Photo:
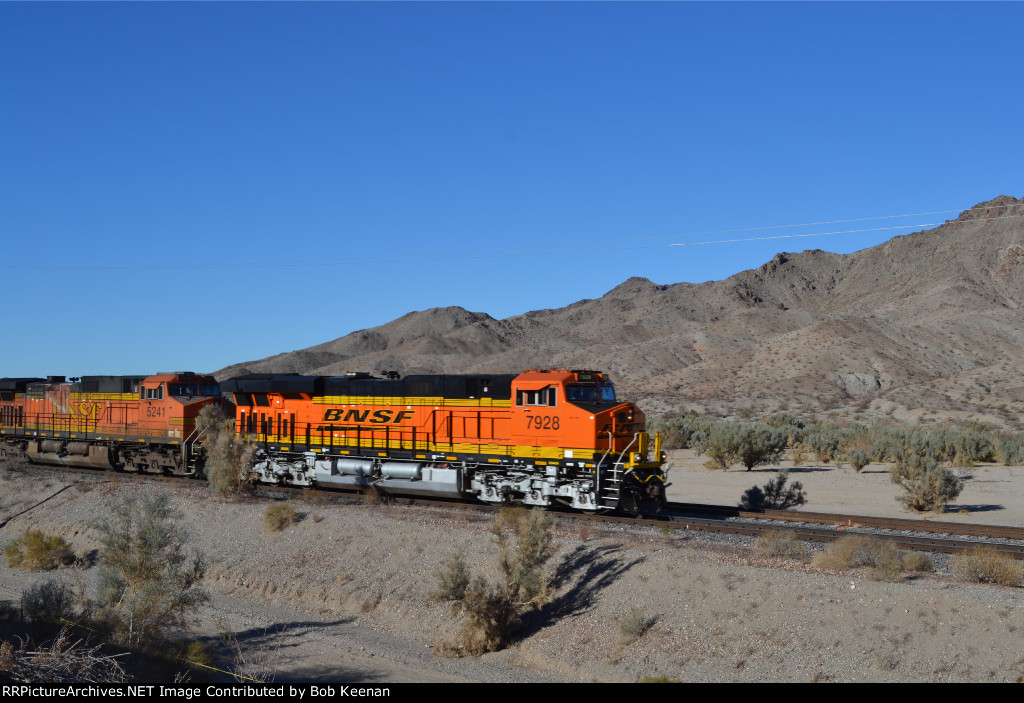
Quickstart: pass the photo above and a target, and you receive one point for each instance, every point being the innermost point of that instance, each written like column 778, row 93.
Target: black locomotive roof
column 273, row 383
column 110, row 384
column 498, row 386
column 17, row 385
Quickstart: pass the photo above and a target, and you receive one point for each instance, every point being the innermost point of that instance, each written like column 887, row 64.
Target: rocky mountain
column 925, row 325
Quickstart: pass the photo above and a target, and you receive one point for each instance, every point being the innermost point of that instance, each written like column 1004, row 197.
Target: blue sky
column 189, row 185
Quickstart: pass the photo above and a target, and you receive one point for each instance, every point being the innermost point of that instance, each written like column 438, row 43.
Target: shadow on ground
column 583, row 574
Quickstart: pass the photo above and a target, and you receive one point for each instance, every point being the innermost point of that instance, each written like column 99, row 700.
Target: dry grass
column 635, row 624
column 37, row 551
column 64, row 660
column 279, row 516
column 453, row 578
column 373, row 496
column 886, row 563
column 846, row 553
column 986, row 565
column 917, row 561
column 778, row 544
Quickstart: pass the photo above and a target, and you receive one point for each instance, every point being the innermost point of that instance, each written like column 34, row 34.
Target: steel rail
column 849, row 521
column 722, row 519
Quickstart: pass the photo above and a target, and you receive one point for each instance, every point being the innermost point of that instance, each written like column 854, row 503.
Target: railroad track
column 817, row 527
column 852, row 521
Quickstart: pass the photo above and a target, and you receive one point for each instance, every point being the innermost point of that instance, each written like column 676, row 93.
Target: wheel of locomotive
column 630, row 500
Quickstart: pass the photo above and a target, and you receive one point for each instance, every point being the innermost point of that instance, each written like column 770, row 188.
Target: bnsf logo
column 379, row 417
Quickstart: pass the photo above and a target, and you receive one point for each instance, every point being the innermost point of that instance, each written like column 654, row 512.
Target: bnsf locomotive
column 539, row 438
column 130, row 423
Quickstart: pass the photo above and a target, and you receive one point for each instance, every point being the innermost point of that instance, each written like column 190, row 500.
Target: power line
column 512, row 252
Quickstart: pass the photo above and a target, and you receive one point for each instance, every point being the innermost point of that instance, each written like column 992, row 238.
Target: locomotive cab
column 578, row 410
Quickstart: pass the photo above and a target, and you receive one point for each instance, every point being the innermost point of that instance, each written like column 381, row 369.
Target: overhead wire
column 509, row 252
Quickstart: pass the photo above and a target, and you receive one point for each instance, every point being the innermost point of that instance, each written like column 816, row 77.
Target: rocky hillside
column 926, row 324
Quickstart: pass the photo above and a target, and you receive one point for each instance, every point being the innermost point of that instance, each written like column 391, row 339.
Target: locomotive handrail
column 597, row 470
column 185, row 453
column 625, row 453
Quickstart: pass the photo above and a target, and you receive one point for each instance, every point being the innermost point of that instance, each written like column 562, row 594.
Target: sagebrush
column 148, row 580
column 986, row 565
column 228, row 455
column 492, row 612
column 926, row 485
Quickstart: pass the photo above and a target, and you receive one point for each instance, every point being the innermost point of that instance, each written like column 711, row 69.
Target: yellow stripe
column 103, row 396
column 419, row 400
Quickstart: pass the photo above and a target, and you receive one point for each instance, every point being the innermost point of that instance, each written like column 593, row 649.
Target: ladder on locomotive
column 609, row 485
column 609, row 481
column 191, row 453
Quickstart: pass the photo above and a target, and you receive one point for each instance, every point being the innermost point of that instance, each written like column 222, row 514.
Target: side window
column 545, row 396
column 154, row 393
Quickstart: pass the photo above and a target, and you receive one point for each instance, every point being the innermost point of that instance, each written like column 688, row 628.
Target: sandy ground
column 344, row 594
column 992, row 495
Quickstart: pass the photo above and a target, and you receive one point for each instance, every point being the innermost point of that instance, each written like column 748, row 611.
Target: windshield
column 590, row 393
column 191, row 389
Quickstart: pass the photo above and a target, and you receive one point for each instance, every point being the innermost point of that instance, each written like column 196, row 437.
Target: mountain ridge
column 923, row 325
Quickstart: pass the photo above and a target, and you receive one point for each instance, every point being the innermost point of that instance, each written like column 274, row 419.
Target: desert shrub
column 525, row 543
column 37, row 551
column 858, row 459
column 847, row 552
column 48, row 603
column 453, row 578
column 882, row 450
column 779, row 544
column 279, row 516
column 786, row 421
column 680, row 431
column 148, row 582
column 917, row 561
column 635, row 624
column 758, row 444
column 824, row 439
column 885, row 561
column 775, row 494
column 491, row 617
column 254, row 664
column 196, row 653
column 1009, row 449
column 987, row 565
column 720, row 447
column 925, row 484
column 492, row 613
column 228, row 455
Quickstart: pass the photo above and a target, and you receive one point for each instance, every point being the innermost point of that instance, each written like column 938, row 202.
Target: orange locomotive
column 539, row 438
column 130, row 423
